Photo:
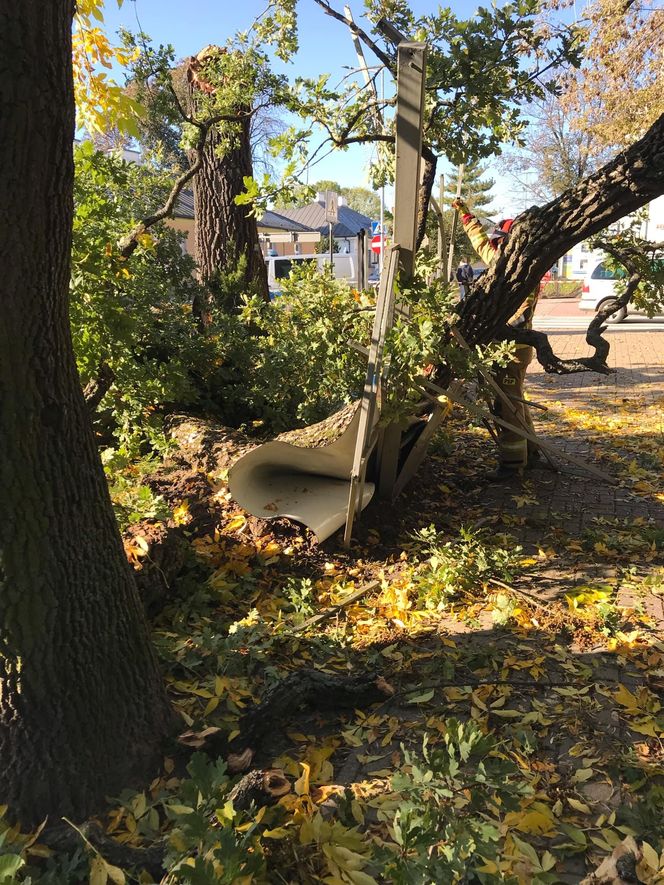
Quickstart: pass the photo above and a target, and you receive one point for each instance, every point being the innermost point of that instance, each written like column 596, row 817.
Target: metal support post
column 362, row 272
column 411, row 73
column 411, row 76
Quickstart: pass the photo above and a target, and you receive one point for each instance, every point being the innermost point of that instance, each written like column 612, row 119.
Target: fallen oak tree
column 538, row 238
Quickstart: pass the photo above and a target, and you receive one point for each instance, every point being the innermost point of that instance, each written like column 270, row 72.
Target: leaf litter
column 523, row 740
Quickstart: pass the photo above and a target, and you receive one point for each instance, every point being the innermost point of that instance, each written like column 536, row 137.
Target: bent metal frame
column 396, row 465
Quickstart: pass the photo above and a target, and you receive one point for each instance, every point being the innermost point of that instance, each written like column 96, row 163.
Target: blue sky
column 325, row 47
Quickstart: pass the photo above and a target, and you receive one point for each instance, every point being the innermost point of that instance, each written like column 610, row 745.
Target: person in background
column 464, row 277
column 515, row 453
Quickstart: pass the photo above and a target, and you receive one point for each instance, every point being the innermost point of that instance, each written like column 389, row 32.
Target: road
column 563, row 314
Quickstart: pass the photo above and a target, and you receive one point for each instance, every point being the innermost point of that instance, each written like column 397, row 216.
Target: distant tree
column 363, row 200
column 325, row 184
column 322, row 247
column 476, row 192
column 618, row 92
column 154, row 81
column 556, row 153
column 476, row 189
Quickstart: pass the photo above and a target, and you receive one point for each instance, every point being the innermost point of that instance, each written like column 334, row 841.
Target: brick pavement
column 638, row 358
column 571, row 502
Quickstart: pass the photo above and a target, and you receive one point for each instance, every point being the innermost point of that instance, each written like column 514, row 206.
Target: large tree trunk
column 82, row 705
column 543, row 234
column 225, row 232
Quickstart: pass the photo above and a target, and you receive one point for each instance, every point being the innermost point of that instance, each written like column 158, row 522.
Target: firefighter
column 515, row 452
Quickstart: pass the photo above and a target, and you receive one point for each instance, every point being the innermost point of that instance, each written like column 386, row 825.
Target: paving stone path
column 574, row 501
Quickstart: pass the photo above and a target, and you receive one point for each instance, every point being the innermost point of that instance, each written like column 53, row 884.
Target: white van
column 600, row 288
column 279, row 268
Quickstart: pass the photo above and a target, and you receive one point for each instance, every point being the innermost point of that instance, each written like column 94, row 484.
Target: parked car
column 374, row 277
column 599, row 288
column 279, row 268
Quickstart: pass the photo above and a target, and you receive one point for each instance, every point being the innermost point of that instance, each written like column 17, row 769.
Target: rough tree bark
column 429, row 164
column 82, row 705
column 224, row 231
column 543, row 234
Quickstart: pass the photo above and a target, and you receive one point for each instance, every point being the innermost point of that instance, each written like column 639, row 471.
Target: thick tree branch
column 553, row 364
column 359, row 32
column 424, row 194
column 97, row 388
column 542, row 235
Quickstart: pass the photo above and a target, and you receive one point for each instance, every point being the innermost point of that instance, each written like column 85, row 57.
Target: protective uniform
column 514, row 450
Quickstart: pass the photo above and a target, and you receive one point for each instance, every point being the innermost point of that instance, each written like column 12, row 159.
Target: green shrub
column 451, row 568
column 452, row 796
column 288, row 363
column 133, row 315
column 561, row 289
column 267, row 367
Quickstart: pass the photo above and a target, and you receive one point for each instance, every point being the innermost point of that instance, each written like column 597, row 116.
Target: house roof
column 184, row 205
column 280, row 221
column 313, row 216
column 184, row 208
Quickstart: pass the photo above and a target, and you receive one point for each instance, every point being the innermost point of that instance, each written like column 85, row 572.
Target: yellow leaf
column 578, row 806
column 646, row 727
column 115, row 874
column 276, row 833
column 211, row 706
column 301, row 785
column 181, row 515
column 236, row 523
column 536, row 822
column 357, row 877
column 271, row 549
column 344, row 857
column 180, row 809
column 650, row 856
column 98, row 874
column 139, row 805
column 145, row 240
column 626, row 699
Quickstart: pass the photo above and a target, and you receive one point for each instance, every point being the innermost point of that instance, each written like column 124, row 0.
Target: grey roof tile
column 184, row 208
column 349, row 225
